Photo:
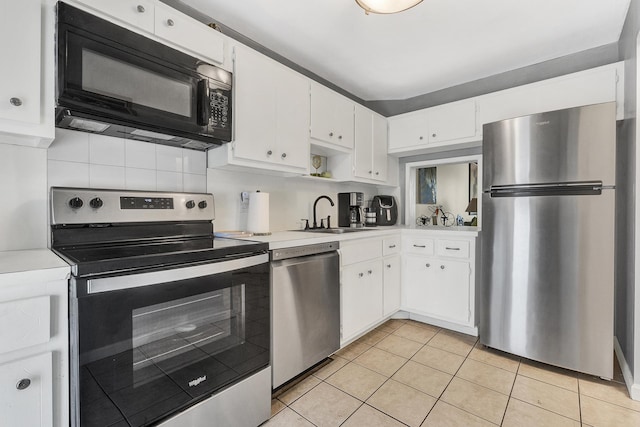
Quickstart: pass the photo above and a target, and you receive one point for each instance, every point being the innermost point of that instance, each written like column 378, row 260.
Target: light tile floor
column 409, row 373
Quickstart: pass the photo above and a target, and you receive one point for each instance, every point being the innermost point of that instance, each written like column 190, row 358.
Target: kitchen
column 88, row 160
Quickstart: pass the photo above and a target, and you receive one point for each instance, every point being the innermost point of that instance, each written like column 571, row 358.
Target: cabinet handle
column 283, row 155
column 442, row 267
column 421, row 138
column 392, row 246
column 419, row 246
column 428, row 265
column 433, row 135
column 140, row 8
column 339, row 136
column 388, row 265
column 23, row 384
column 170, row 22
column 360, row 274
column 451, row 249
column 331, row 134
column 369, row 271
column 16, row 102
column 269, row 153
column 377, row 173
column 370, row 172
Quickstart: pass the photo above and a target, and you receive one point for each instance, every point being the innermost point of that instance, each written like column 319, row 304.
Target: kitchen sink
column 335, row 230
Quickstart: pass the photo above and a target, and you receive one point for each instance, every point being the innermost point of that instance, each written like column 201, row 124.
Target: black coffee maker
column 350, row 209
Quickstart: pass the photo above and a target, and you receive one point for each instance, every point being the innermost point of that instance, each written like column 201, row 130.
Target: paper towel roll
column 258, row 215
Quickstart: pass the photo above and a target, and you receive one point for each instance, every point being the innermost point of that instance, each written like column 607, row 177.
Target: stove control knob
column 76, row 203
column 191, row 204
column 202, row 204
column 96, row 203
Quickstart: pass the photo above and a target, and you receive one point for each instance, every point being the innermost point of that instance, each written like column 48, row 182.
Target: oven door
column 110, row 74
column 148, row 345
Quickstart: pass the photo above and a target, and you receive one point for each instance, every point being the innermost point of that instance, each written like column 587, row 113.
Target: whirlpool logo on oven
column 197, row 381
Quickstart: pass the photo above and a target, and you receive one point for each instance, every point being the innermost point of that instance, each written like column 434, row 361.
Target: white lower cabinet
column 26, row 388
column 369, row 283
column 438, row 279
column 391, row 282
column 361, row 296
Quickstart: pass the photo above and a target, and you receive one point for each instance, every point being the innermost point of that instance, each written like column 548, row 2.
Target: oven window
column 180, row 333
column 121, row 80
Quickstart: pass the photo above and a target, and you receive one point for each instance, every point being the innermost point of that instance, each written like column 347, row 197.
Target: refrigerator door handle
column 586, row 188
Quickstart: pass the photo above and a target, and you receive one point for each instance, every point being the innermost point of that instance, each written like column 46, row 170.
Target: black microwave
column 116, row 82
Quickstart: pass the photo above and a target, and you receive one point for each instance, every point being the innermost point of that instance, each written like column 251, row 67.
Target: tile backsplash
column 79, row 159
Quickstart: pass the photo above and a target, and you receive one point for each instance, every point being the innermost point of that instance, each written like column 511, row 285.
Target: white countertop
column 292, row 238
column 30, row 266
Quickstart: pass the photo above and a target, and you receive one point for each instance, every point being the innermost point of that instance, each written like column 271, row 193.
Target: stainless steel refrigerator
column 548, row 237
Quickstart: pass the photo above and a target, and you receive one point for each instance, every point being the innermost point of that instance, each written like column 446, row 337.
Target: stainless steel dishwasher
column 305, row 311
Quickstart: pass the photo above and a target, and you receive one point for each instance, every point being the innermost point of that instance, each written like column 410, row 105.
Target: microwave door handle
column 204, row 106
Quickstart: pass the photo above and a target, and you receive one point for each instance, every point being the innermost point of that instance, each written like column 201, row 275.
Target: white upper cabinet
column 433, row 127
column 139, row 13
column 370, row 153
column 27, row 83
column 167, row 24
column 176, row 27
column 332, row 118
column 271, row 116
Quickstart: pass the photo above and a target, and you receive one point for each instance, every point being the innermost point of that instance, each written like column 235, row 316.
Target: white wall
column 80, row 159
column 23, row 197
column 290, row 199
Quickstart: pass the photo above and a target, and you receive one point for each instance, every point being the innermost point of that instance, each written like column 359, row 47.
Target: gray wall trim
column 544, row 70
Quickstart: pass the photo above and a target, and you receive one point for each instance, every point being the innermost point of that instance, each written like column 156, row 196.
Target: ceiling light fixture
column 386, row 6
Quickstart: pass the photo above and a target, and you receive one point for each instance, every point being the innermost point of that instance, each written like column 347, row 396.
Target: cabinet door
column 292, row 115
column 254, row 107
column 332, row 116
column 361, row 297
column 450, row 291
column 452, row 121
column 26, row 393
column 138, row 13
column 380, row 148
column 418, row 272
column 391, row 283
column 188, row 33
column 408, row 130
column 363, row 153
column 20, row 67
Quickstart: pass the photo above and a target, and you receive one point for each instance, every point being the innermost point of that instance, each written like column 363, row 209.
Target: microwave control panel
column 219, row 109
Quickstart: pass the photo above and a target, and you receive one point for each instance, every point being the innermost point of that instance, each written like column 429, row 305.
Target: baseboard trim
column 633, row 388
column 444, row 324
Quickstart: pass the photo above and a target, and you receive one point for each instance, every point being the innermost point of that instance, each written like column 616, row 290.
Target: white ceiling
column 435, row 45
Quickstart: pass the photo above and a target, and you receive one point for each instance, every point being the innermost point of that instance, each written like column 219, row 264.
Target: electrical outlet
column 244, row 202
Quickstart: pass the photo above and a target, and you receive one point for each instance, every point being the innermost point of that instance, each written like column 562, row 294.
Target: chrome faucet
column 315, row 222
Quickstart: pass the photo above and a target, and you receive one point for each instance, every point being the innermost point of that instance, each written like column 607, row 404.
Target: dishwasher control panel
column 300, row 251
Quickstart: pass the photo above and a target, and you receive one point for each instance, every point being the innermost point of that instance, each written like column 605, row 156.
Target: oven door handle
column 108, row 284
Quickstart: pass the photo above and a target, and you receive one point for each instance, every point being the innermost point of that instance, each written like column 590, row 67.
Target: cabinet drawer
column 26, row 322
column 452, row 248
column 390, row 246
column 418, row 246
column 361, row 251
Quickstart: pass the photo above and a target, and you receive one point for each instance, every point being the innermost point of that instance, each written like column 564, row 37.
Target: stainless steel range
column 169, row 325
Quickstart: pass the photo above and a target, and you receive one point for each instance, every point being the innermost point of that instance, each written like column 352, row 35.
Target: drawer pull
column 369, row 271
column 392, row 246
column 428, row 265
column 170, row 22
column 451, row 249
column 388, row 265
column 419, row 246
column 23, row 384
column 140, row 8
column 360, row 274
column 442, row 267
